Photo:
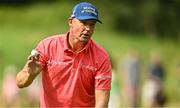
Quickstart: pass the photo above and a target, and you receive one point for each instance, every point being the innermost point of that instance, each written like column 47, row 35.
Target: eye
column 89, row 22
column 92, row 24
column 84, row 22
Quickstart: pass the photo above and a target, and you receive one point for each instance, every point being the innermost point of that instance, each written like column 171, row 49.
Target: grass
column 21, row 28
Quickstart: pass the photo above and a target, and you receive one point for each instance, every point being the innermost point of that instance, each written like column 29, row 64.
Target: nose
column 87, row 27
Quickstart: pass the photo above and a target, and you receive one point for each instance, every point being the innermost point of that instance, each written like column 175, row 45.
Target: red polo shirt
column 69, row 79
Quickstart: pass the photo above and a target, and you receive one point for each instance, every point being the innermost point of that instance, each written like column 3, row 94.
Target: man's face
column 81, row 30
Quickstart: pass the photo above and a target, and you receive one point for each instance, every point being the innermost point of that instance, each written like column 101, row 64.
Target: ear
column 70, row 22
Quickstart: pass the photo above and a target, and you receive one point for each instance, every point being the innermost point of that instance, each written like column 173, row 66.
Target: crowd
column 140, row 84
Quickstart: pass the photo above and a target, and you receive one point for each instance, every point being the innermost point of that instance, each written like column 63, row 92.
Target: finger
column 35, row 57
column 30, row 57
column 35, row 54
column 30, row 62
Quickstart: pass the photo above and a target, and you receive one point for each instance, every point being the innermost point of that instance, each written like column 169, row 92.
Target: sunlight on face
column 82, row 30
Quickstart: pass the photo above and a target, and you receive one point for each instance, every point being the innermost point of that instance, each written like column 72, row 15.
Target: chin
column 85, row 40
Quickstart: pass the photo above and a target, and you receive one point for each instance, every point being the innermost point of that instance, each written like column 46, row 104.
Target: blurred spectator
column 131, row 75
column 153, row 92
column 9, row 88
column 156, row 68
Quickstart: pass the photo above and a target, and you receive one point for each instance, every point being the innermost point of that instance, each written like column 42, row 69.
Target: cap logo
column 89, row 10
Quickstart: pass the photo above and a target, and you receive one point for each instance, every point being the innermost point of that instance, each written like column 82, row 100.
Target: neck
column 75, row 45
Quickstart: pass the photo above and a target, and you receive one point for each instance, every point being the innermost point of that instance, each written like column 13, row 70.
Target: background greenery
column 142, row 24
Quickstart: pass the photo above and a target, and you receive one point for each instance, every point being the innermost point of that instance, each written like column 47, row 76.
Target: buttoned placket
column 76, row 60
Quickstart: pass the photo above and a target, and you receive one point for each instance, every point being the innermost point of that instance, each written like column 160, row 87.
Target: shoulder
column 53, row 38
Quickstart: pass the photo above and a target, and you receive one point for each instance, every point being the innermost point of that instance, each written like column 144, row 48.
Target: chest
column 68, row 67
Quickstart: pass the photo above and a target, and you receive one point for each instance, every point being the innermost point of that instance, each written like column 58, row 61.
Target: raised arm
column 102, row 98
column 31, row 69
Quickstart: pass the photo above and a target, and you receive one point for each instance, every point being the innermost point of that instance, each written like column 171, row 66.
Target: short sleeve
column 103, row 76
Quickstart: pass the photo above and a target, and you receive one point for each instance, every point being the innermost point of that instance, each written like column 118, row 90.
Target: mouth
column 85, row 37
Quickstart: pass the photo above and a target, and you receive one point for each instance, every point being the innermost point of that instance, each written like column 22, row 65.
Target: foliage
column 159, row 18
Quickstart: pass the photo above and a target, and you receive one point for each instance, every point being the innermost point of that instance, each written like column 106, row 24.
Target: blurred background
column 141, row 36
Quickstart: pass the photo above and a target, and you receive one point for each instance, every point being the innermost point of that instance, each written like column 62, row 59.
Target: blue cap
column 85, row 11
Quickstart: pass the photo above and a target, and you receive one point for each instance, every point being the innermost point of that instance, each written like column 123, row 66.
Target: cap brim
column 88, row 18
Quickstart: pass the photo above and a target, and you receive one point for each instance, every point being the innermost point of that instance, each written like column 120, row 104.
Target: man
column 76, row 72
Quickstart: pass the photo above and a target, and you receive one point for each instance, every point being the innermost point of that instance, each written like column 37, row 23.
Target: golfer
column 76, row 71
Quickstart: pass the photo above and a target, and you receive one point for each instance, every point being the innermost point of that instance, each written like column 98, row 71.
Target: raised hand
column 33, row 66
